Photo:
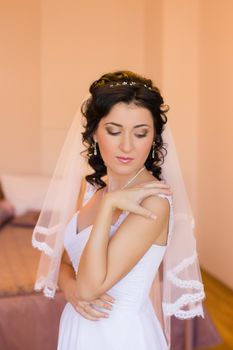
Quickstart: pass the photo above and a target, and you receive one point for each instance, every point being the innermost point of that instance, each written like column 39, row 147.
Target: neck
column 119, row 182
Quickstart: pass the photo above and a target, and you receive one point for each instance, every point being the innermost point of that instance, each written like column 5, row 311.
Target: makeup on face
column 140, row 130
column 125, row 160
column 125, row 137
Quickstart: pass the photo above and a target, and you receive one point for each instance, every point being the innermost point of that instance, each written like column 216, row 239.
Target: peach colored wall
column 153, row 40
column 80, row 41
column 20, row 86
column 180, row 79
column 197, row 82
column 215, row 166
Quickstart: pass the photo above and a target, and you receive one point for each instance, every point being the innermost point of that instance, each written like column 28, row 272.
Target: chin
column 124, row 169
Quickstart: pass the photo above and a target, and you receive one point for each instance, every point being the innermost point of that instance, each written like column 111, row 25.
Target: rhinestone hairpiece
column 130, row 83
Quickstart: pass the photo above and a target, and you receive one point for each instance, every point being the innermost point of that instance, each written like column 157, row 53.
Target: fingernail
column 154, row 217
column 106, row 315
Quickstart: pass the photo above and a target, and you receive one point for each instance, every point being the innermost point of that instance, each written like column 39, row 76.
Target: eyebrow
column 136, row 126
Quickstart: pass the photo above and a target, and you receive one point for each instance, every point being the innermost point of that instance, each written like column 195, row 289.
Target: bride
column 119, row 235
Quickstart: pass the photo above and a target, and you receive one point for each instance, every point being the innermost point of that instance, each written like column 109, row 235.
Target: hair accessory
column 131, row 83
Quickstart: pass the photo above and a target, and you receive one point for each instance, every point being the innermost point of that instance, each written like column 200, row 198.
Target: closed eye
column 141, row 135
column 113, row 133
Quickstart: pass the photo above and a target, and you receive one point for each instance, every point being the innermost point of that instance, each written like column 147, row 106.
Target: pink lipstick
column 125, row 160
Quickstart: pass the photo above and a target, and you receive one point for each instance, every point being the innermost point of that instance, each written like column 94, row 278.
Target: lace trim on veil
column 172, row 274
column 175, row 309
column 42, row 246
column 46, row 231
column 186, row 299
column 40, row 284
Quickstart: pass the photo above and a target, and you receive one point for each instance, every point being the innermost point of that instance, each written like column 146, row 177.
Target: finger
column 149, row 214
column 102, row 304
column 162, row 190
column 93, row 312
column 88, row 313
column 147, row 192
column 88, row 317
column 107, row 297
column 84, row 313
column 158, row 190
column 144, row 212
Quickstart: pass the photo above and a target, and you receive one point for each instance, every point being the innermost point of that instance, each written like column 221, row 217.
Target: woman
column 117, row 240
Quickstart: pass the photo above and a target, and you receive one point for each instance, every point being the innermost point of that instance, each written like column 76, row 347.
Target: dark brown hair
column 127, row 87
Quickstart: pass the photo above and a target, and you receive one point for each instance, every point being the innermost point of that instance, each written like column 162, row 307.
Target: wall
column 193, row 61
column 172, row 59
column 153, row 40
column 81, row 40
column 215, row 166
column 20, row 86
column 180, row 79
column 51, row 52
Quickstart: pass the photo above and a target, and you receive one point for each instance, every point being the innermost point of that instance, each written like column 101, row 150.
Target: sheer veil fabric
column 177, row 290
column 59, row 206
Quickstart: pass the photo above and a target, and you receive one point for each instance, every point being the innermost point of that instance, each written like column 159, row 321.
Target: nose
column 126, row 144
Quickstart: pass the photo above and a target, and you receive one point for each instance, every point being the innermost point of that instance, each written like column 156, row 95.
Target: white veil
column 179, row 283
column 59, row 205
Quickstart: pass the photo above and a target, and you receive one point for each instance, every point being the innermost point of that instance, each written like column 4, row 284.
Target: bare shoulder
column 156, row 230
column 158, row 205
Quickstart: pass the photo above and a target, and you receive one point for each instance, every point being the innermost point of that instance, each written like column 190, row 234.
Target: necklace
column 133, row 178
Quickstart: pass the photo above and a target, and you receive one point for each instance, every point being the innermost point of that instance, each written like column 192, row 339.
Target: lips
column 125, row 159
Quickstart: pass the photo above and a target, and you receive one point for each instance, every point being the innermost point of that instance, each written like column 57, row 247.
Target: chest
column 88, row 212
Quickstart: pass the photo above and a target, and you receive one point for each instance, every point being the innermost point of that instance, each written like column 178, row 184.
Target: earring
column 153, row 150
column 95, row 149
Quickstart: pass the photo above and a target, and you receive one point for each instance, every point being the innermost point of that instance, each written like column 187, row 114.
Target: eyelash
column 117, row 133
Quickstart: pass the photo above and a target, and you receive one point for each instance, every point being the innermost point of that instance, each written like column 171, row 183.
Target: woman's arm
column 67, row 283
column 104, row 262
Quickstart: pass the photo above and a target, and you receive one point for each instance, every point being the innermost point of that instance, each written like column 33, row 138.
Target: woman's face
column 125, row 137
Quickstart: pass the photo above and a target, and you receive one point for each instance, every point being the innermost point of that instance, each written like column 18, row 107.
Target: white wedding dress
column 132, row 323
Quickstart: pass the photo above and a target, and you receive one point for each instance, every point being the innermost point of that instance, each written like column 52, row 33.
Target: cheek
column 106, row 145
column 144, row 147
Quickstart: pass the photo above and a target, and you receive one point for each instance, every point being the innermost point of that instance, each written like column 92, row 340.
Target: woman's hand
column 129, row 199
column 86, row 308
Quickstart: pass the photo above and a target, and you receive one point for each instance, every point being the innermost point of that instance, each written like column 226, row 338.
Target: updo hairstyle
column 126, row 87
